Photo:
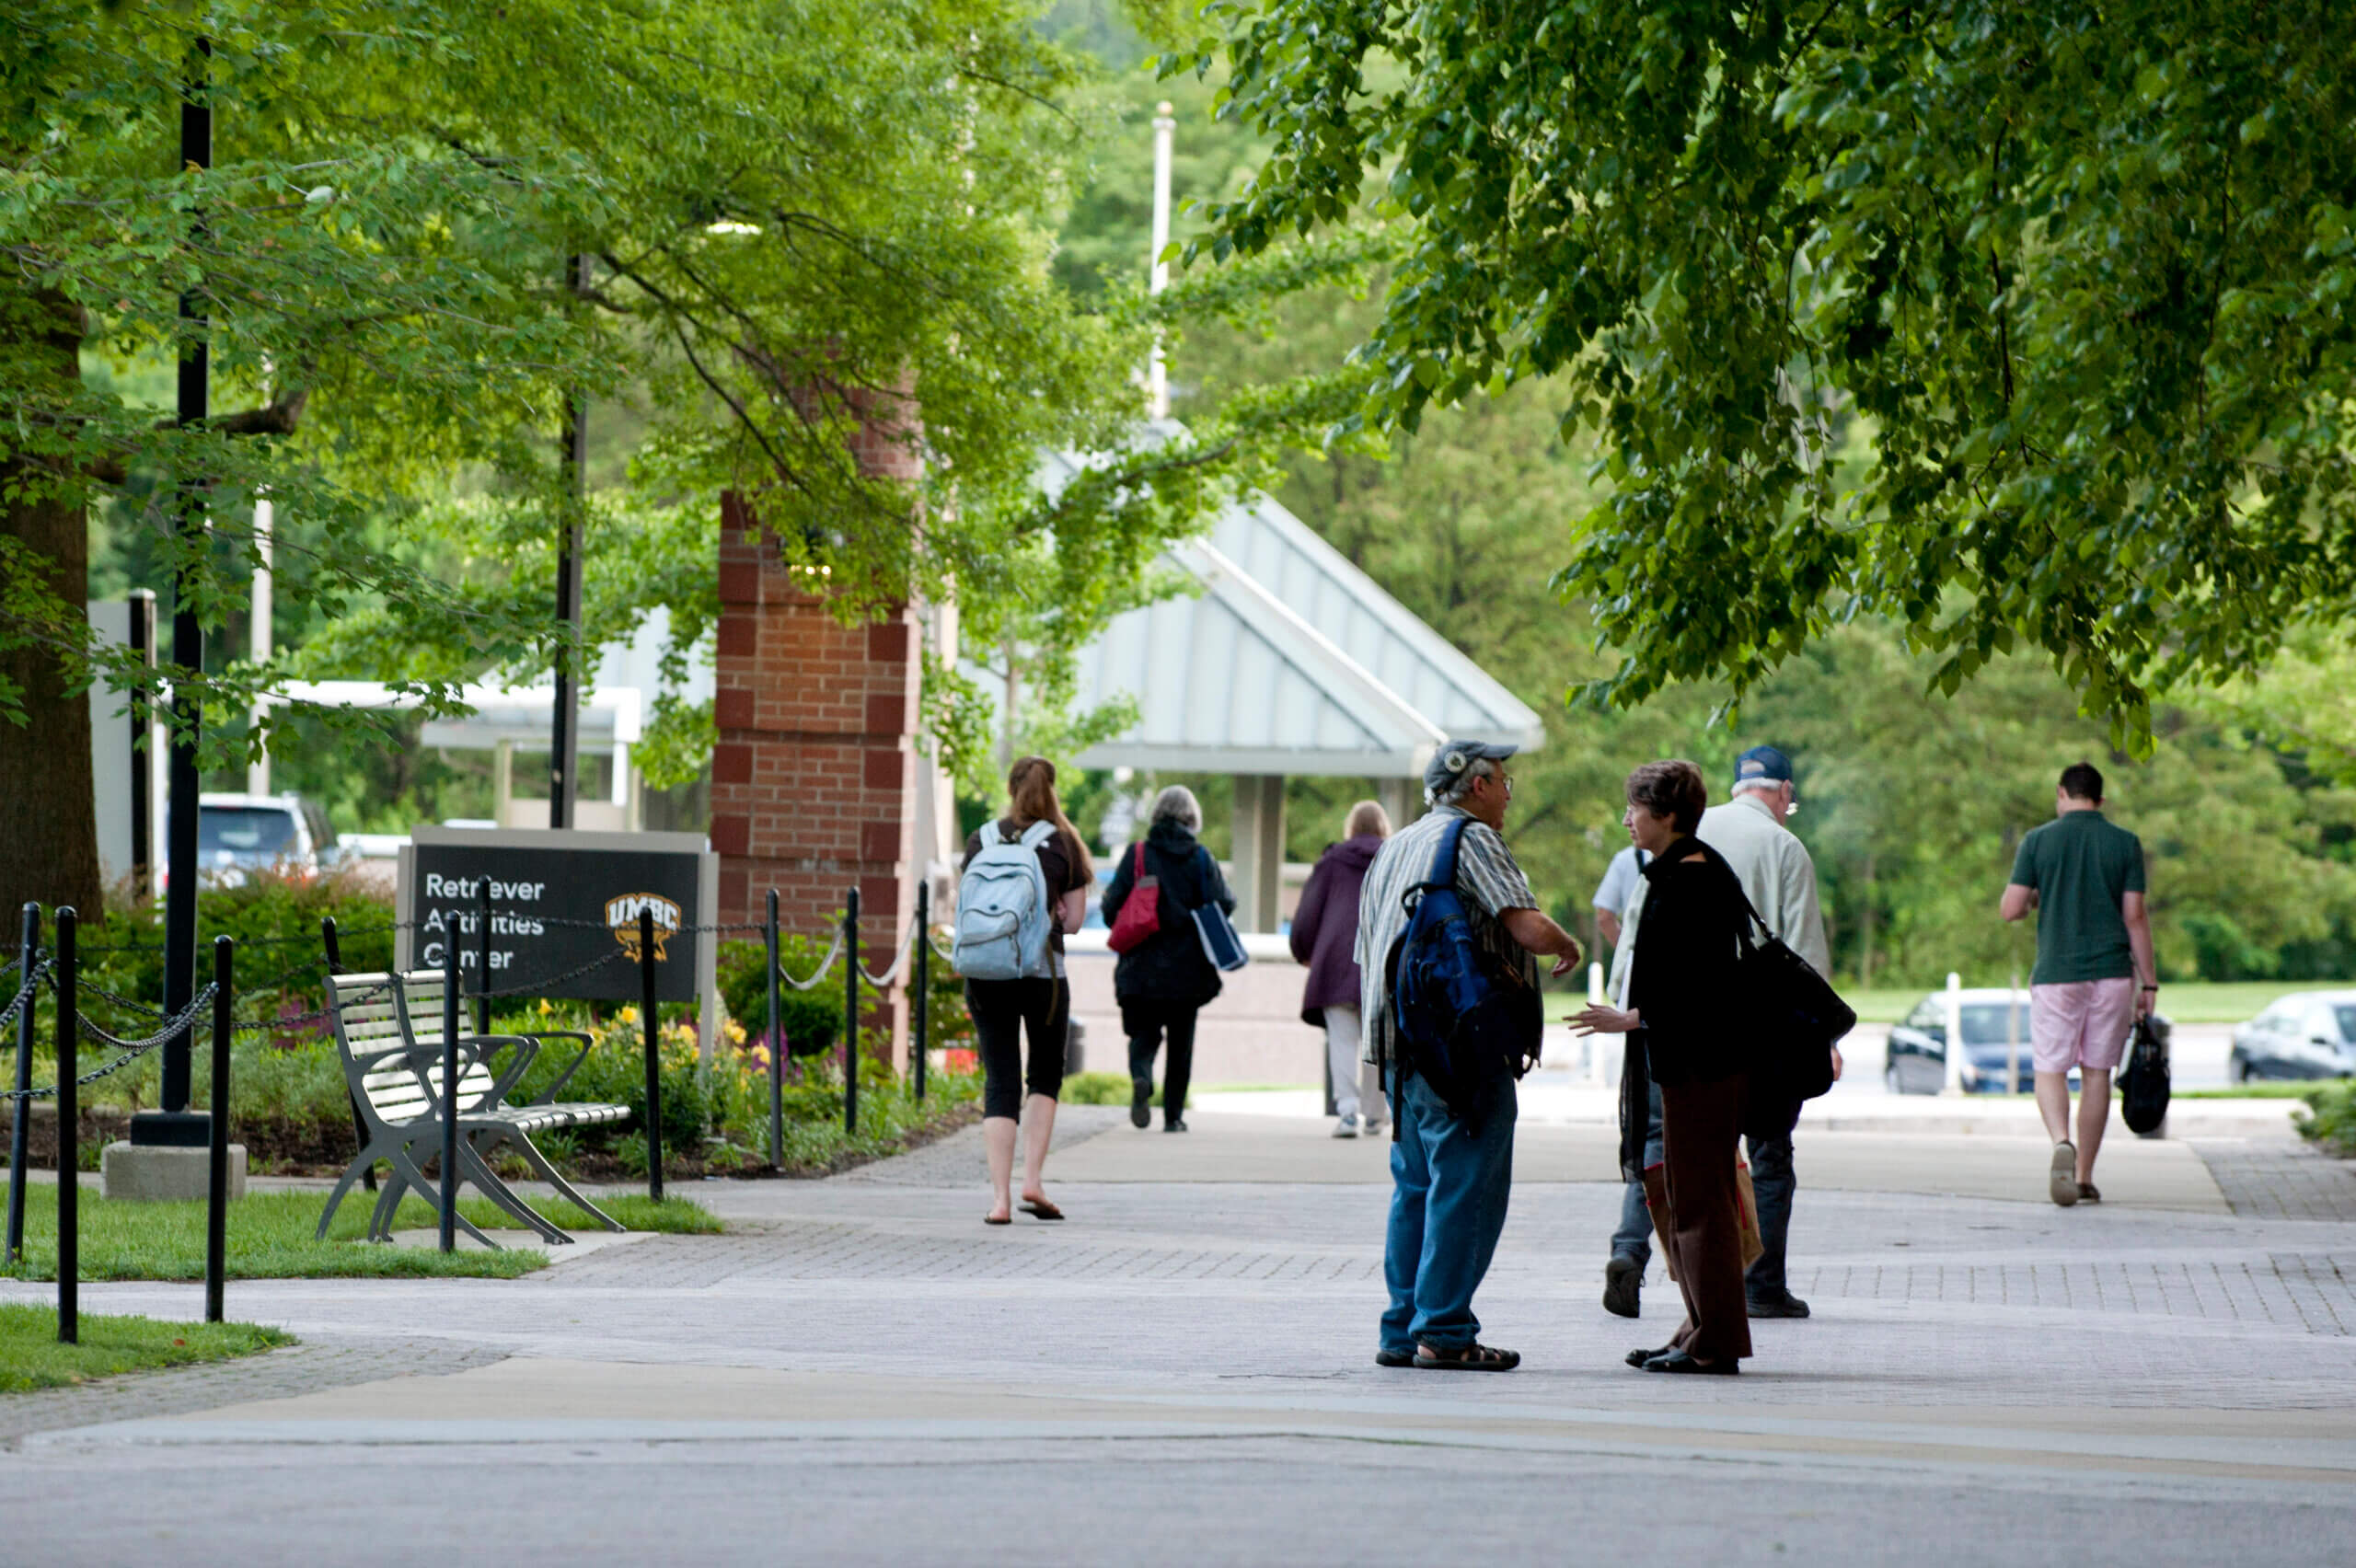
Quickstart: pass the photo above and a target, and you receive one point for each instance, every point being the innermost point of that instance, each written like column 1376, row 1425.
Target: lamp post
column 175, row 1125
column 564, row 740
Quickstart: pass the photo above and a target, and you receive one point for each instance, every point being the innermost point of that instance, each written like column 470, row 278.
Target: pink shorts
column 2080, row 1023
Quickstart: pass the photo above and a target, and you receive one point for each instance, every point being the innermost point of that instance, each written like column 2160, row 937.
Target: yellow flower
column 627, row 1015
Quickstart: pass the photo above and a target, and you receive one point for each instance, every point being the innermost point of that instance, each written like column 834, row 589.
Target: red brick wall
column 813, row 778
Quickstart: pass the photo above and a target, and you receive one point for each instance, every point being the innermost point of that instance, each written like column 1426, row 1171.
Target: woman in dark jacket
column 1164, row 980
column 1683, row 1022
column 1325, row 937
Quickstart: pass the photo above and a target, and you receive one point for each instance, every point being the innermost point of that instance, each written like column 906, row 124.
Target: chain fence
column 171, row 1026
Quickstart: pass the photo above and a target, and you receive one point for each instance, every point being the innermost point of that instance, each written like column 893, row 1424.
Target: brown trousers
column 1700, row 1127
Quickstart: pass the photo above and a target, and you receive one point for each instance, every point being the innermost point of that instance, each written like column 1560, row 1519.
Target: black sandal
column 1041, row 1208
column 1471, row 1358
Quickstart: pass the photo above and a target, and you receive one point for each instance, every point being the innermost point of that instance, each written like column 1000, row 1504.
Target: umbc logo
column 621, row 918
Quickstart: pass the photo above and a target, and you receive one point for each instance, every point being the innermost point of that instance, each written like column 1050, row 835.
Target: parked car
column 1918, row 1043
column 237, row 834
column 2308, row 1034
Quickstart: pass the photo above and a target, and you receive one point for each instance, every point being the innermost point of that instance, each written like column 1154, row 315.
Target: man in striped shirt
column 1450, row 1178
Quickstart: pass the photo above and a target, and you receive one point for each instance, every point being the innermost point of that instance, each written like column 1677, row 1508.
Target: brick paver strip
column 2279, row 1178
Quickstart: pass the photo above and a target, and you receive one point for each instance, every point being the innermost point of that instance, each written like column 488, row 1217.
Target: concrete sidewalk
column 1181, row 1372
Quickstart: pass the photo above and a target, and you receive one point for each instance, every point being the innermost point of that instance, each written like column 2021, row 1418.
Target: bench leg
column 472, row 1165
column 406, row 1174
column 565, row 1189
column 365, row 1164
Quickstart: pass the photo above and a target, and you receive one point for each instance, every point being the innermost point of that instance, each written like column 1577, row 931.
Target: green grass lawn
column 30, row 1356
column 270, row 1237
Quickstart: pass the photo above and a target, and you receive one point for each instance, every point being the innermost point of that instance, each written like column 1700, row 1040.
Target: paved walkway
column 862, row 1372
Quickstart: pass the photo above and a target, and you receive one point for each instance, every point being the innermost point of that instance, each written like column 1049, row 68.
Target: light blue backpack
column 1003, row 908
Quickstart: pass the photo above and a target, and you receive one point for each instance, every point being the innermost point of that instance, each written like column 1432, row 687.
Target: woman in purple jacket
column 1325, row 937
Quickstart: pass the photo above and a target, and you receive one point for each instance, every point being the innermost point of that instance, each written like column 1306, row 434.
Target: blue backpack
column 1462, row 1018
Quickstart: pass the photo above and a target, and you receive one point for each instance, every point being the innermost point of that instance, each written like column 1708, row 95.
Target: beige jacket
column 1775, row 871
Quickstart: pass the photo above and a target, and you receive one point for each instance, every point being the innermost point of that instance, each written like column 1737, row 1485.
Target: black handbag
column 1799, row 1016
column 2143, row 1086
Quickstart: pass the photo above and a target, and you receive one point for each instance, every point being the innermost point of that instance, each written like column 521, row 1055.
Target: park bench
column 388, row 1037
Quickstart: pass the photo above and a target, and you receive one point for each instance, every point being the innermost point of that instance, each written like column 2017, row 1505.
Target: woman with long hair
column 1039, row 1005
column 1164, row 981
column 1684, row 1028
column 1324, row 938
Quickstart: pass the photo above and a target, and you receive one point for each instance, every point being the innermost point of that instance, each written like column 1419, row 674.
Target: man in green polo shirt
column 2094, row 976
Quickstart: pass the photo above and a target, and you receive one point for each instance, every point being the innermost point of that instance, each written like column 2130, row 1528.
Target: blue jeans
column 1635, row 1237
column 1448, row 1187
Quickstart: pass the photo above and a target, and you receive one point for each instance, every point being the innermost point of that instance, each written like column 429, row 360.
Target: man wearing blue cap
column 1450, row 1173
column 1781, row 881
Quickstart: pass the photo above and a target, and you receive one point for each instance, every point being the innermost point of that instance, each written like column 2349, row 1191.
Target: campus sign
column 560, row 901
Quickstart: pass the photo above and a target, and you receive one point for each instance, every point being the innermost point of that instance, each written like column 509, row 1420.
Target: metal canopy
column 1289, row 661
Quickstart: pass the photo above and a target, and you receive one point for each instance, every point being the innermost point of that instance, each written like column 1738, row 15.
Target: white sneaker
column 1347, row 1128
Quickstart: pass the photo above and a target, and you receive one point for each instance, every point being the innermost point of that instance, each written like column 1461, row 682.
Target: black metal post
column 69, row 1137
column 564, row 740
column 777, row 1049
column 173, row 1124
column 924, row 980
column 451, row 981
column 851, row 1013
column 142, row 749
column 334, row 949
column 646, row 1011
column 482, row 956
column 27, row 951
column 216, row 1189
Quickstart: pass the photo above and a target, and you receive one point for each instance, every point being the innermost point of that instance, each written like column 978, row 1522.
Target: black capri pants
column 1002, row 1010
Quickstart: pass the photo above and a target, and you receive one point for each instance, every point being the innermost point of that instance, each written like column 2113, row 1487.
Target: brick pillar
column 813, row 776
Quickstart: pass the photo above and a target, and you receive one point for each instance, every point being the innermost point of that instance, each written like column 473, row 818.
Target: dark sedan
column 2308, row 1034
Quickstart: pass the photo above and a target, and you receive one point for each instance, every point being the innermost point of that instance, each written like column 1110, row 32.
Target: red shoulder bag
column 1141, row 916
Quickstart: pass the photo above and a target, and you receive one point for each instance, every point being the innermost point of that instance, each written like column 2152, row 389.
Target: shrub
column 615, row 1071
column 2331, row 1117
column 275, row 920
column 813, row 1019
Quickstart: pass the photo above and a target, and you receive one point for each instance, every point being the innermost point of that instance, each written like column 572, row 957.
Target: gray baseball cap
column 1450, row 762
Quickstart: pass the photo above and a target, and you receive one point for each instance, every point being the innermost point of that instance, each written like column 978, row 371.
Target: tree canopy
column 770, row 229
column 2024, row 326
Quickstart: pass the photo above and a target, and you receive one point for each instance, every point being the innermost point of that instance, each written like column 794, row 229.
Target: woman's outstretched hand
column 1601, row 1020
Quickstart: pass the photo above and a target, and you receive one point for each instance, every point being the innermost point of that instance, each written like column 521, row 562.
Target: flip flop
column 997, row 1219
column 1042, row 1207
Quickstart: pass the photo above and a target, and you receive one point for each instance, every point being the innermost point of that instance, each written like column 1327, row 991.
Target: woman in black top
column 1164, row 980
column 1003, row 1010
column 1683, row 1023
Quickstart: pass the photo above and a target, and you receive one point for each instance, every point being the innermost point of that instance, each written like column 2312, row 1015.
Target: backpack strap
column 1032, row 836
column 1443, row 867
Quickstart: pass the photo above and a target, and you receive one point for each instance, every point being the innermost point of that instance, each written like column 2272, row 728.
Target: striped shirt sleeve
column 1486, row 873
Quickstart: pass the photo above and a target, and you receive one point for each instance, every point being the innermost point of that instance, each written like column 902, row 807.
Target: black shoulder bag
column 1798, row 1015
column 2143, row 1086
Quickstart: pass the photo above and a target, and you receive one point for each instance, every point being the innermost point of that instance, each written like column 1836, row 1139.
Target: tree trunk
column 48, row 847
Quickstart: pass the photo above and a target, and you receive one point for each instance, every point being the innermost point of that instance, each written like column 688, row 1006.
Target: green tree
column 806, row 225
column 2081, row 274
